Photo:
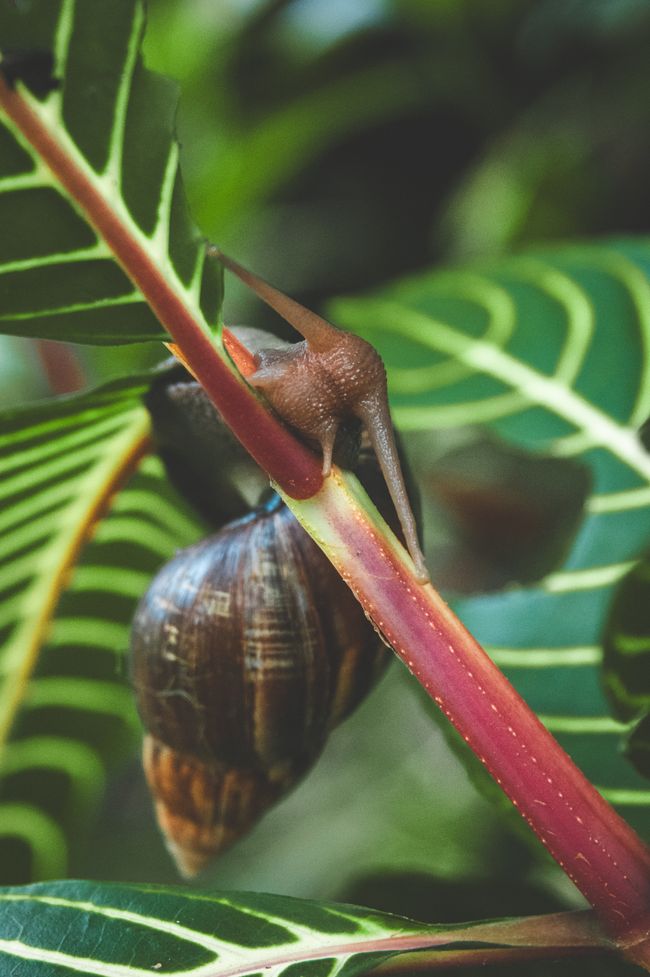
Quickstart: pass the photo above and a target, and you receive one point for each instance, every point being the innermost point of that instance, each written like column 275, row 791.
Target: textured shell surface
column 225, row 646
column 246, row 650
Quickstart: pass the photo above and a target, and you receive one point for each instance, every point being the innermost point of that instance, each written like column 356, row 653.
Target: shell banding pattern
column 247, row 650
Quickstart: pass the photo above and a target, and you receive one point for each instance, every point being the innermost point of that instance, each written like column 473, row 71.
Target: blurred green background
column 333, row 145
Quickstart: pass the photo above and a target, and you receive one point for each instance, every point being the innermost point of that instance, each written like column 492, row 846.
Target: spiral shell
column 247, row 650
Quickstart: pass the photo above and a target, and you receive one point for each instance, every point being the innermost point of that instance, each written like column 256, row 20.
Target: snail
column 246, row 650
column 317, row 384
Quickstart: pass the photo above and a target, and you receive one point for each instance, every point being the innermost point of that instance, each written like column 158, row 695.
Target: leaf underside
column 550, row 349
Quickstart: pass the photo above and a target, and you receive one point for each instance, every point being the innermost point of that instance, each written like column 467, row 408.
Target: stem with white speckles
column 597, row 849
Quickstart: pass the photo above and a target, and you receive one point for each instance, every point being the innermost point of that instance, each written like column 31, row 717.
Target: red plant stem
column 61, row 367
column 597, row 849
column 414, row 964
column 288, row 462
column 554, row 934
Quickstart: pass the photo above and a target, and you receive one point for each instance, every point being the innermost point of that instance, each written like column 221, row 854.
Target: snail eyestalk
column 330, row 376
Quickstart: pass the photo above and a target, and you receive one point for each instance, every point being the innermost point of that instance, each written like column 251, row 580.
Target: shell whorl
column 247, row 649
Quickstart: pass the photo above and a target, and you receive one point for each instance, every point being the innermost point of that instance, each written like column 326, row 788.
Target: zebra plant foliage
column 101, row 250
column 64, row 620
column 552, row 350
column 132, row 931
column 60, row 278
column 62, row 463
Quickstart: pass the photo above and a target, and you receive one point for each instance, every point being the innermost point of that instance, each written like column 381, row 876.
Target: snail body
column 316, row 390
column 318, row 384
column 247, row 650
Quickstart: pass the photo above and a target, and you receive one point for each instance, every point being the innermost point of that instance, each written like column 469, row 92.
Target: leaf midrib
column 235, row 960
column 48, row 118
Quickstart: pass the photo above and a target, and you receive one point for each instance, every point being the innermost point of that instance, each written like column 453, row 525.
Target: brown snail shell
column 246, row 650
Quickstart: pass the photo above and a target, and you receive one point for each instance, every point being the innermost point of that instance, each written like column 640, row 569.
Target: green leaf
column 550, row 349
column 627, row 644
column 65, row 709
column 110, row 123
column 120, row 930
column 627, row 660
column 637, row 747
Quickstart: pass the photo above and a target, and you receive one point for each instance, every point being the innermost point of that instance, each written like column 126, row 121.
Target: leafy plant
column 63, row 700
column 116, row 930
column 102, row 251
column 530, row 345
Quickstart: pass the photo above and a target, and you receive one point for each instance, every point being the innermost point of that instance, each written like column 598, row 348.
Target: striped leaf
column 67, row 928
column 551, row 350
column 78, row 69
column 627, row 644
column 65, row 708
column 627, row 660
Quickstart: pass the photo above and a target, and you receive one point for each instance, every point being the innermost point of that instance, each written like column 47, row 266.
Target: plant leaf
column 550, row 349
column 627, row 660
column 120, row 174
column 627, row 644
column 64, row 706
column 111, row 119
column 117, row 931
